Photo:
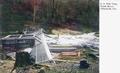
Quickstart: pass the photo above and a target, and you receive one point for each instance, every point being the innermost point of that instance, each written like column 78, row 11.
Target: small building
column 13, row 43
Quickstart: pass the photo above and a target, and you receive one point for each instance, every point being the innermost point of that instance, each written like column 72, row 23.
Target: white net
column 41, row 51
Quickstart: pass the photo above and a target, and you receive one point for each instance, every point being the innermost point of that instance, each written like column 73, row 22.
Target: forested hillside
column 80, row 15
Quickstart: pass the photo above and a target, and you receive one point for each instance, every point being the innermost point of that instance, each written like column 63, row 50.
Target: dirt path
column 7, row 66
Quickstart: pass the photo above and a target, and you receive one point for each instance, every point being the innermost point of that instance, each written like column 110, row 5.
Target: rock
column 1, row 62
column 84, row 64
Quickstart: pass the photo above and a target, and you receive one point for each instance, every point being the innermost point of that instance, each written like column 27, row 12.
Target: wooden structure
column 74, row 53
column 13, row 43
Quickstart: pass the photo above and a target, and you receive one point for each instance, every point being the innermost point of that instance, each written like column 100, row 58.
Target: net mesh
column 41, row 51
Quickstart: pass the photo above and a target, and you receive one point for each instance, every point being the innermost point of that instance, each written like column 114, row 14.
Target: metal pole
column 36, row 55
